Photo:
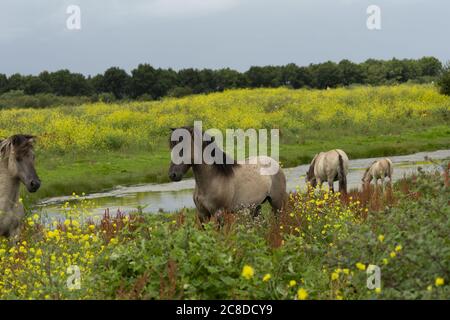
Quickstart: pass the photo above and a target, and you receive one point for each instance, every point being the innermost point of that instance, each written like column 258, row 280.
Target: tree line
column 147, row 82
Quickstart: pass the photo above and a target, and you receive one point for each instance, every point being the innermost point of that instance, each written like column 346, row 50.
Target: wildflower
column 248, row 272
column 392, row 254
column 334, row 276
column 385, row 261
column 439, row 281
column 302, row 294
column 292, row 283
column 430, row 288
column 361, row 266
column 381, row 238
column 398, row 248
column 267, row 277
column 378, row 290
column 346, row 271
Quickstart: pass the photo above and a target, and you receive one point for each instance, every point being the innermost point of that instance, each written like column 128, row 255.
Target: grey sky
column 215, row 33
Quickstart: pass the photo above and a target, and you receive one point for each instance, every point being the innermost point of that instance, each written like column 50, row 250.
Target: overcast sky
column 215, row 33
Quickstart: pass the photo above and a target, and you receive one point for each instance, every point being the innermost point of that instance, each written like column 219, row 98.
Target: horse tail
column 389, row 168
column 310, row 173
column 342, row 176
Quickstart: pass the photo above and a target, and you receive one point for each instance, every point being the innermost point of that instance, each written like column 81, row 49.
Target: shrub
column 444, row 81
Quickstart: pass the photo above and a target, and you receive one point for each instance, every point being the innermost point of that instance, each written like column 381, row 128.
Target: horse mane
column 22, row 143
column 227, row 165
column 367, row 169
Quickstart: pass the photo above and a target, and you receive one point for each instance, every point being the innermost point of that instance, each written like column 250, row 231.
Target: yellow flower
column 378, row 290
column 381, row 238
column 361, row 266
column 398, row 248
column 267, row 277
column 430, row 288
column 346, row 271
column 393, row 254
column 385, row 261
column 439, row 281
column 292, row 283
column 334, row 276
column 35, row 217
column 248, row 272
column 302, row 294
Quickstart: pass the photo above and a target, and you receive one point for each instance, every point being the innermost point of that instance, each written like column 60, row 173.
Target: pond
column 173, row 196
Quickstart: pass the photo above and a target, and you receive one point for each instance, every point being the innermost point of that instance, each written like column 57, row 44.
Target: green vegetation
column 320, row 248
column 147, row 83
column 98, row 146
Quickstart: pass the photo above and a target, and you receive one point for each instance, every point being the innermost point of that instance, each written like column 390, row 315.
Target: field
column 127, row 143
column 320, row 248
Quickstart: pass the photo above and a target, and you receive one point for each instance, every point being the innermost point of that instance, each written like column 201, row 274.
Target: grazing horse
column 329, row 166
column 16, row 165
column 378, row 170
column 230, row 185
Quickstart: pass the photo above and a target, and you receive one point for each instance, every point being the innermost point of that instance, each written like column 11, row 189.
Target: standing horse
column 378, row 170
column 230, row 185
column 16, row 165
column 329, row 166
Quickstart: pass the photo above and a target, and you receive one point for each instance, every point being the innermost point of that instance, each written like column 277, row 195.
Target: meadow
column 97, row 146
column 319, row 248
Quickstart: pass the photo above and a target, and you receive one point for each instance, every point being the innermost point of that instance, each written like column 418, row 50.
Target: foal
column 16, row 165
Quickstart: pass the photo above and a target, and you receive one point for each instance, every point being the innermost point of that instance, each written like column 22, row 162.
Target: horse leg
column 319, row 183
column 256, row 211
column 331, row 184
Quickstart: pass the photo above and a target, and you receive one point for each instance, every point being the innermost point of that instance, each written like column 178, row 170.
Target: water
column 174, row 196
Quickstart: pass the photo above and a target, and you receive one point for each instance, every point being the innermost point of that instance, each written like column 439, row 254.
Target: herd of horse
column 228, row 186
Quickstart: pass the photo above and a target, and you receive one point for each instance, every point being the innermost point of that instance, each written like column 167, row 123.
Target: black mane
column 226, row 168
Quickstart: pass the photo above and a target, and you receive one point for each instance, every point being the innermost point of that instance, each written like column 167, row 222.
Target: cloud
column 183, row 8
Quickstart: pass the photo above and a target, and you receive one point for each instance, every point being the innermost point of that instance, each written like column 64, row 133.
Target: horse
column 229, row 185
column 16, row 165
column 329, row 166
column 379, row 169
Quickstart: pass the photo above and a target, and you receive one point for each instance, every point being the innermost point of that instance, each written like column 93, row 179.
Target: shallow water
column 177, row 195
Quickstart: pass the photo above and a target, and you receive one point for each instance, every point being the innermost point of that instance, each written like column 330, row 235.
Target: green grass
column 93, row 172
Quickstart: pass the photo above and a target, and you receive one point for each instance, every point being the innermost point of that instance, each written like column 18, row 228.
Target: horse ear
column 31, row 139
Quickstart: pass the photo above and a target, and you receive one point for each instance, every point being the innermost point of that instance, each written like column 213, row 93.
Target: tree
column 350, row 72
column 16, row 82
column 444, row 80
column 229, row 79
column 190, row 78
column 268, row 76
column 3, row 83
column 142, row 81
column 326, row 75
column 116, row 81
column 429, row 66
column 35, row 85
column 65, row 83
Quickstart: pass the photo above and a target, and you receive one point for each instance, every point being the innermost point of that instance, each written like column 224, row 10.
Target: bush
column 17, row 99
column 106, row 97
column 444, row 81
column 179, row 92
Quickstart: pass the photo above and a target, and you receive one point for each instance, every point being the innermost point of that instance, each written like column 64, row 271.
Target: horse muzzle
column 34, row 185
